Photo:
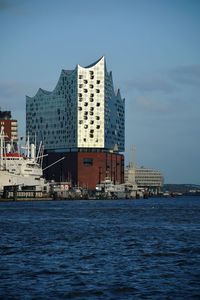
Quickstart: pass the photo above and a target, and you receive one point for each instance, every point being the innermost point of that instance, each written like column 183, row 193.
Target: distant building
column 146, row 178
column 9, row 125
column 83, row 120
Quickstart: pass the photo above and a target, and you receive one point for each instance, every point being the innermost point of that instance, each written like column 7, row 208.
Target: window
column 85, row 90
column 80, row 76
column 88, row 161
column 98, row 104
column 97, row 90
column 98, row 81
column 85, row 81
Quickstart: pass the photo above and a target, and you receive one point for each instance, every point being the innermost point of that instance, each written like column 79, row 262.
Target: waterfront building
column 146, row 178
column 83, row 111
column 82, row 119
column 9, row 125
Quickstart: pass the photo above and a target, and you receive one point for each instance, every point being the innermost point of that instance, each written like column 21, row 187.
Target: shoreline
column 43, row 199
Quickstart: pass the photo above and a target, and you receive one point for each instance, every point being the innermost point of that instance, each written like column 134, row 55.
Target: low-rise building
column 146, row 178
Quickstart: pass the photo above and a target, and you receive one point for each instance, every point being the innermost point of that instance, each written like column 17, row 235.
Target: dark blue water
column 121, row 249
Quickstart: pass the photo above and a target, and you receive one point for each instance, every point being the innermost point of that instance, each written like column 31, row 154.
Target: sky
column 151, row 47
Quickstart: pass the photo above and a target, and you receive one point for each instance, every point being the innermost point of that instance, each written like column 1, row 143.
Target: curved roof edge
column 45, row 92
column 93, row 64
column 40, row 91
column 118, row 94
column 68, row 72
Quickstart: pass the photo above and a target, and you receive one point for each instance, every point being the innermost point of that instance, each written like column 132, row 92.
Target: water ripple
column 142, row 249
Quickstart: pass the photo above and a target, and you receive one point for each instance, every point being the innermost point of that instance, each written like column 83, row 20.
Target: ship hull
column 8, row 179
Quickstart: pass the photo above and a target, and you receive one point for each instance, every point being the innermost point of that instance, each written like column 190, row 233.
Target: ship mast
column 28, row 146
column 1, row 148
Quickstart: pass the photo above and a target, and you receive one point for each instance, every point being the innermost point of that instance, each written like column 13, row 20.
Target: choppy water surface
column 121, row 249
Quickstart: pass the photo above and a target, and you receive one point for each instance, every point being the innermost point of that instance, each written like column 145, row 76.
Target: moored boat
column 22, row 170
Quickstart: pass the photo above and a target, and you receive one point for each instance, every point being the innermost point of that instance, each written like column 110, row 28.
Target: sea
column 100, row 249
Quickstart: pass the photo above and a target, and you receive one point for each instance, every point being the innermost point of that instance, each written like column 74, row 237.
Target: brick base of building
column 85, row 169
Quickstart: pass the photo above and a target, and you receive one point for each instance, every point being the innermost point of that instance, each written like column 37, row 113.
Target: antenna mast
column 132, row 158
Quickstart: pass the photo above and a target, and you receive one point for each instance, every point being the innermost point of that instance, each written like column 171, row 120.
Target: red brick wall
column 103, row 165
column 7, row 128
column 85, row 169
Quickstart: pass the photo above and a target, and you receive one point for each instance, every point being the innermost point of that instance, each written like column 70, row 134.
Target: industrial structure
column 82, row 119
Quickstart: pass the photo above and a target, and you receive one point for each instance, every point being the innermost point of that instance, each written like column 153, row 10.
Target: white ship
column 18, row 169
column 124, row 190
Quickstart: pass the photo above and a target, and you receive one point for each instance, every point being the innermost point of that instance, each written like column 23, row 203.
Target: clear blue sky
column 152, row 48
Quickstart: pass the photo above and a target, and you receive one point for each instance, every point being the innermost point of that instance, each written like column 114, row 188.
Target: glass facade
column 83, row 111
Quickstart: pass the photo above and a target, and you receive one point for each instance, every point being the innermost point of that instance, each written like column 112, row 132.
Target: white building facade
column 83, row 111
column 146, row 178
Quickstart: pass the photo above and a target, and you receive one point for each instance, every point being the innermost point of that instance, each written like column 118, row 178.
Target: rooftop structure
column 83, row 111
